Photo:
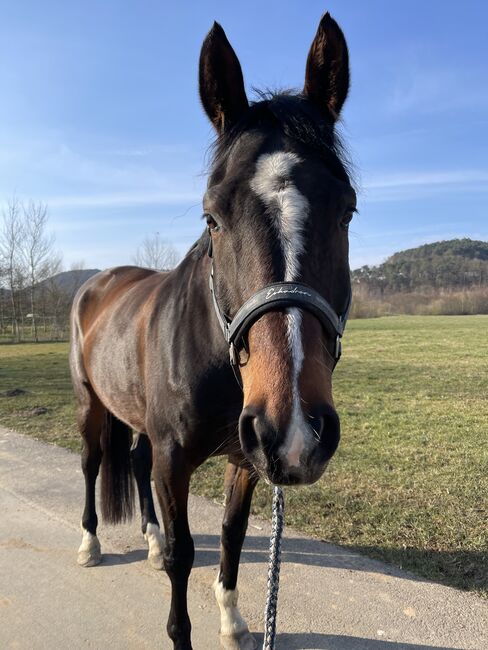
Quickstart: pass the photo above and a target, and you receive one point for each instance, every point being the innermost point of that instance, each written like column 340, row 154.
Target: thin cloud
column 430, row 230
column 110, row 178
column 125, row 199
column 407, row 179
column 436, row 90
column 414, row 185
column 143, row 151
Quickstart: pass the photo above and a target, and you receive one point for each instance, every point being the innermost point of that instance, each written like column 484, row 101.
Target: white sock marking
column 154, row 540
column 231, row 621
column 290, row 210
column 89, row 542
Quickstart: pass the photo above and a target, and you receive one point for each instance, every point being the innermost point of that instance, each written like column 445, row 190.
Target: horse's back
column 102, row 291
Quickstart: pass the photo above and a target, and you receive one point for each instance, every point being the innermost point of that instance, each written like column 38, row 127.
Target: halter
column 276, row 297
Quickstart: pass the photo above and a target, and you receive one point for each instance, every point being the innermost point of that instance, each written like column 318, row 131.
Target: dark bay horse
column 148, row 353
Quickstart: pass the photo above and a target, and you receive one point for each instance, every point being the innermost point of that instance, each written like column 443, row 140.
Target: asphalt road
column 329, row 598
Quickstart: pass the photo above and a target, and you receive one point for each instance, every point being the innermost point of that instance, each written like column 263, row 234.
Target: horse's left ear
column 327, row 72
column 221, row 83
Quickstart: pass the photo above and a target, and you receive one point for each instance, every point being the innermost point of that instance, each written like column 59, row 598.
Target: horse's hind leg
column 91, row 416
column 239, row 487
column 141, row 456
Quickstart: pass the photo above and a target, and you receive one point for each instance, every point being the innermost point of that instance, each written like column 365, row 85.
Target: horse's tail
column 117, row 480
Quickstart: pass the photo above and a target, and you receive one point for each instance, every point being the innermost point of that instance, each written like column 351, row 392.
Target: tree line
column 36, row 293
column 27, row 258
column 447, row 277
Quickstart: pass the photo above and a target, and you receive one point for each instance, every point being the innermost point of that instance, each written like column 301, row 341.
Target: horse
column 262, row 296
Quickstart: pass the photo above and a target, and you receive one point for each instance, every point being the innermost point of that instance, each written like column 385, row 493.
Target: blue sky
column 100, row 116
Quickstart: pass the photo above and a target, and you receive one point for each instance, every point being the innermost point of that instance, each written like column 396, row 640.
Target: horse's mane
column 298, row 119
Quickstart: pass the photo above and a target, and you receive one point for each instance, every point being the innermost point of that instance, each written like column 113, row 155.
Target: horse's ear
column 221, row 83
column 327, row 72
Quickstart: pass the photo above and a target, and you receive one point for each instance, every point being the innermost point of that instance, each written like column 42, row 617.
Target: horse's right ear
column 221, row 83
column 327, row 73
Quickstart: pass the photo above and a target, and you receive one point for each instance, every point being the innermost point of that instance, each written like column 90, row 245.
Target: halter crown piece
column 276, row 297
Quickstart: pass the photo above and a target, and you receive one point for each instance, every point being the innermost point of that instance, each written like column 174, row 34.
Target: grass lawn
column 409, row 483
column 41, row 369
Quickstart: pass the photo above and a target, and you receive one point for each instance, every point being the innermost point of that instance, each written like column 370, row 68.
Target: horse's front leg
column 171, row 473
column 239, row 487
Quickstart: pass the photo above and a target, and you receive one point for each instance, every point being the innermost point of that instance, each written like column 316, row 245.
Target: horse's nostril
column 325, row 425
column 330, row 430
column 247, row 430
column 259, row 439
column 317, row 425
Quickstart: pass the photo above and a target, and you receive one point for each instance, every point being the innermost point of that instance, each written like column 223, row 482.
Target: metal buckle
column 338, row 348
column 234, row 358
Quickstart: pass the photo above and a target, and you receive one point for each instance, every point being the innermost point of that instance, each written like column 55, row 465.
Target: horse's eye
column 347, row 218
column 211, row 223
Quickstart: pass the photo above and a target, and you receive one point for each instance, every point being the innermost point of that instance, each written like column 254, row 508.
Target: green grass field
column 409, row 483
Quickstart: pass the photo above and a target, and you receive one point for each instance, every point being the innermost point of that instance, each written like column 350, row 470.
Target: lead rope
column 277, row 525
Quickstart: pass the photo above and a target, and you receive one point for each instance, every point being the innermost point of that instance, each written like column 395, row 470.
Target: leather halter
column 276, row 297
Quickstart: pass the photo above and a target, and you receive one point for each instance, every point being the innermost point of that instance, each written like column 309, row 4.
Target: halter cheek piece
column 276, row 297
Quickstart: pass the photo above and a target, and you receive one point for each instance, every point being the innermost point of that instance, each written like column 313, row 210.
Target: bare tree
column 155, row 253
column 37, row 249
column 51, row 298
column 11, row 237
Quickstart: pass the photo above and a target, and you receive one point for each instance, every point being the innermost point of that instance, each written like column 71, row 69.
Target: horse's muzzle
column 285, row 461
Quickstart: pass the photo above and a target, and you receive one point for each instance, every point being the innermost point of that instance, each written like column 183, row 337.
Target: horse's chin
column 275, row 475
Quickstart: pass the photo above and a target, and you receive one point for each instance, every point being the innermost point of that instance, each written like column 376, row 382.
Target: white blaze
column 287, row 205
column 289, row 209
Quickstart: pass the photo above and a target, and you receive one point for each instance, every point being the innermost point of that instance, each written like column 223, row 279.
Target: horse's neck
column 196, row 306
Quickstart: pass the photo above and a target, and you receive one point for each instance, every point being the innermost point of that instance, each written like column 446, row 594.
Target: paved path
column 329, row 598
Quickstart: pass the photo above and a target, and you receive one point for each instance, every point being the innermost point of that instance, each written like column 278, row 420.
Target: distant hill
column 67, row 281
column 455, row 264
column 71, row 281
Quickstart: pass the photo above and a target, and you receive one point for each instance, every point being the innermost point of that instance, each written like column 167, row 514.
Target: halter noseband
column 275, row 297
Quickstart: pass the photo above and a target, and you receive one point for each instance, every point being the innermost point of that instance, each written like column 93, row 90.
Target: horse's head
column 278, row 206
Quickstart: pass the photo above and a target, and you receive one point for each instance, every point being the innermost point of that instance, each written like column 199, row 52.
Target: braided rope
column 270, row 612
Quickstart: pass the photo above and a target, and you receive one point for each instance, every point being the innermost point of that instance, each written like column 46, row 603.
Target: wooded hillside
column 453, row 264
column 444, row 277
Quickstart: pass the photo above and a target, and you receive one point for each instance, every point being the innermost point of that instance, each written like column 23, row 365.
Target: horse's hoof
column 89, row 559
column 242, row 641
column 89, row 553
column 156, row 562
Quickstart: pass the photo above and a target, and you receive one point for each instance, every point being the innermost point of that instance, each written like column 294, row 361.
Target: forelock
column 294, row 117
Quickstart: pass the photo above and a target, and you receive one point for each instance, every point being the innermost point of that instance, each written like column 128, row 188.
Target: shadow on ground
column 336, row 642
column 435, row 564
column 457, row 568
column 298, row 550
